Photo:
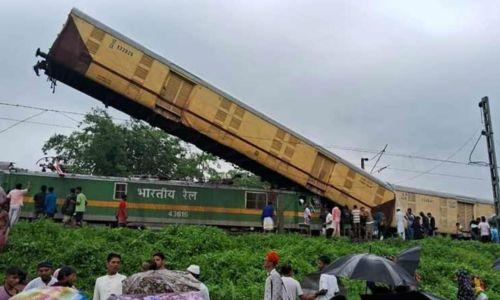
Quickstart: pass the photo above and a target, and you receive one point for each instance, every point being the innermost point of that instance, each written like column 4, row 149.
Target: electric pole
column 488, row 133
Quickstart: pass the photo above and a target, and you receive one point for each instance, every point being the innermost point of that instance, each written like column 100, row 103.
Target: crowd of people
column 46, row 206
column 110, row 284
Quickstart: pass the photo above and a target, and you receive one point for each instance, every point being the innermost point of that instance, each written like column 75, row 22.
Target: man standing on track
column 39, row 200
column 356, row 221
column 336, row 213
column 121, row 213
column 16, row 197
column 81, row 203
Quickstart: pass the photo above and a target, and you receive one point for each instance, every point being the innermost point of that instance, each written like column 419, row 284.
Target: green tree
column 102, row 147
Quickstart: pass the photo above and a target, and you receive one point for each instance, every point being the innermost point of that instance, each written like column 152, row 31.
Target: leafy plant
column 231, row 265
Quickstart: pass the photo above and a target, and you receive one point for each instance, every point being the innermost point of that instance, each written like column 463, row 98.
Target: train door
column 465, row 213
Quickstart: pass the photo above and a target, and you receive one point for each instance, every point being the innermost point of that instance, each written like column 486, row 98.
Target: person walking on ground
column 194, row 270
column 367, row 216
column 159, row 259
column 346, row 220
column 494, row 234
column 274, row 285
column 337, row 215
column 425, row 223
column 111, row 283
column 459, row 231
column 432, row 224
column 307, row 215
column 400, row 223
column 66, row 277
column 4, row 228
column 50, row 203
column 410, row 218
column 267, row 217
column 356, row 221
column 328, row 285
column 329, row 225
column 81, row 204
column 292, row 288
column 11, row 282
column 474, row 230
column 418, row 232
column 44, row 279
column 484, row 229
column 121, row 212
column 68, row 208
column 39, row 200
column 3, row 198
column 16, row 197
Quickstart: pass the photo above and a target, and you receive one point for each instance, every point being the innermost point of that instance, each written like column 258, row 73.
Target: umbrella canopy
column 311, row 281
column 51, row 293
column 409, row 259
column 496, row 265
column 160, row 282
column 168, row 296
column 414, row 295
column 370, row 267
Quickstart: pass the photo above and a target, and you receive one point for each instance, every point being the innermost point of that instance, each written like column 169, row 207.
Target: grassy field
column 231, row 265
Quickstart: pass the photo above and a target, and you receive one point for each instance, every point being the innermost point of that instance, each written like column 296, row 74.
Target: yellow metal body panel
column 127, row 70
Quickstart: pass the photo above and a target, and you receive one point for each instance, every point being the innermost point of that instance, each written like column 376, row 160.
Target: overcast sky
column 345, row 74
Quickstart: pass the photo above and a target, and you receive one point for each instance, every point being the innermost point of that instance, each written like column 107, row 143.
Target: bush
column 231, row 265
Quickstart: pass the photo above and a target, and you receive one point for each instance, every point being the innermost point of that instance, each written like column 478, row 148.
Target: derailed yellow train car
column 104, row 64
column 447, row 209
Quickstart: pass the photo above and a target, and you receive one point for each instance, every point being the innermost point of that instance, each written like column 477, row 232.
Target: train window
column 120, row 190
column 256, row 200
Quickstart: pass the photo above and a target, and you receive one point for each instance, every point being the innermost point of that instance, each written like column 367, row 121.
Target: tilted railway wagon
column 156, row 203
column 106, row 65
column 447, row 209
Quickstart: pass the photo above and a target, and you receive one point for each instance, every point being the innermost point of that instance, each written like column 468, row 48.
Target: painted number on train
column 121, row 48
column 178, row 214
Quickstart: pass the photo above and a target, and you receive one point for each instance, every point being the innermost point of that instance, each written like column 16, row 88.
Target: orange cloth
column 273, row 257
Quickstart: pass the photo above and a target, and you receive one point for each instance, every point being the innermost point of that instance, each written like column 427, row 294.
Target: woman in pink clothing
column 336, row 220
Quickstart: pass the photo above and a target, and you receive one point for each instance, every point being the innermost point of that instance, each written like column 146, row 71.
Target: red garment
column 121, row 214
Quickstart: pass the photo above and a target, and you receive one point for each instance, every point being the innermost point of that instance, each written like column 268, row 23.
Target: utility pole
column 488, row 133
column 363, row 162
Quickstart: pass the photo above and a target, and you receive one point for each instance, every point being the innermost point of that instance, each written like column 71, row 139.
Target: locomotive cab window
column 256, row 200
column 120, row 190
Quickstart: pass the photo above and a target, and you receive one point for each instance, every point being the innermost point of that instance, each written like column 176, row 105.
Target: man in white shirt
column 400, row 225
column 292, row 288
column 111, row 283
column 329, row 225
column 328, row 286
column 484, row 230
column 194, row 270
column 44, row 279
column 274, row 285
column 307, row 215
column 16, row 198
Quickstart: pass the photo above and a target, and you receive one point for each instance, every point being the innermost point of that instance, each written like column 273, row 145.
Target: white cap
column 195, row 269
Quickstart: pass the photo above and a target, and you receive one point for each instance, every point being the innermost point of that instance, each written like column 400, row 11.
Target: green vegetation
column 232, row 264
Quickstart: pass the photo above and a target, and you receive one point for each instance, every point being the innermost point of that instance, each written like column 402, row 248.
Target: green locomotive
column 156, row 203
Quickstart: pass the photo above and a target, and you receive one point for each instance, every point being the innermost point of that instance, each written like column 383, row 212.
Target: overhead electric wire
column 441, row 163
column 437, row 174
column 21, row 121
column 38, row 123
column 353, row 149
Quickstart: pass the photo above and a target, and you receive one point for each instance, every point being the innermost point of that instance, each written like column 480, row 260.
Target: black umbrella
column 311, row 281
column 414, row 295
column 409, row 259
column 370, row 267
column 496, row 265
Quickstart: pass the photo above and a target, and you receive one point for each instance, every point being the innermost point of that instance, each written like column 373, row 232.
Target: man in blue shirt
column 50, row 203
column 267, row 217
